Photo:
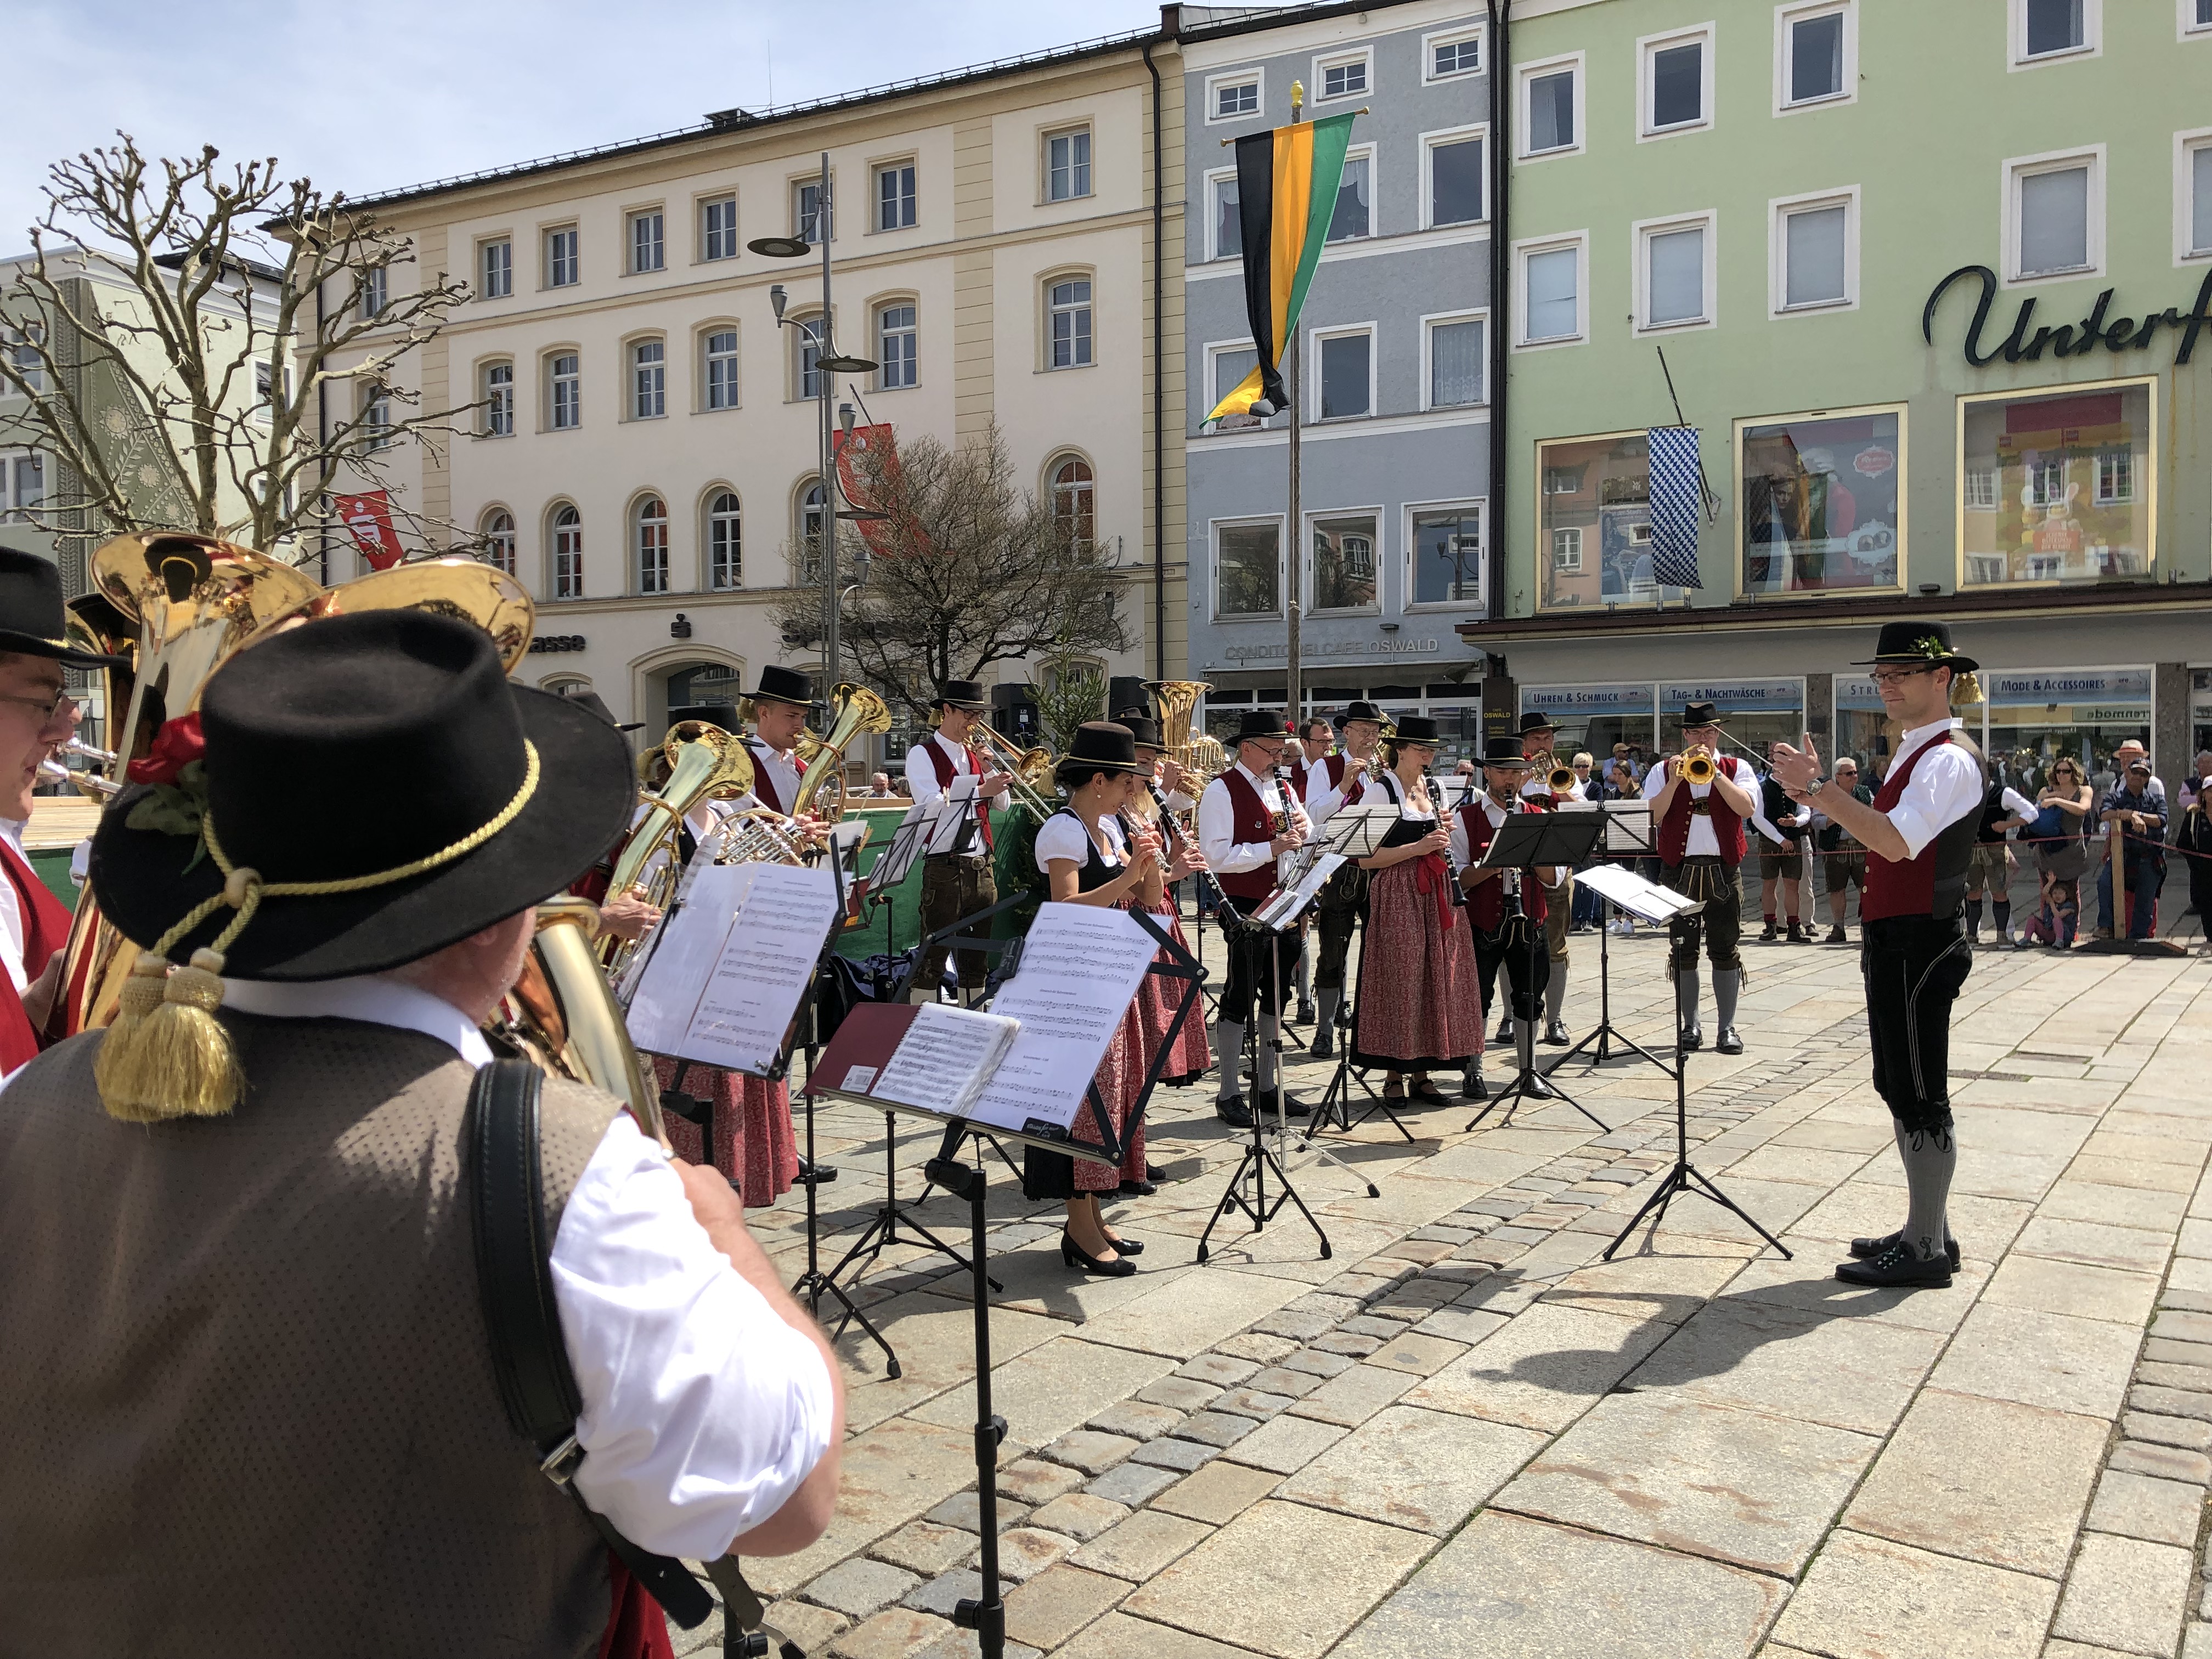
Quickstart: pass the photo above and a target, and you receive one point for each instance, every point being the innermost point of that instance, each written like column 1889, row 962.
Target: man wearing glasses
column 1919, row 835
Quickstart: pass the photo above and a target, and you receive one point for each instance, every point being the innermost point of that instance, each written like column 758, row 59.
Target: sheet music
column 1358, row 832
column 1081, row 966
column 913, row 830
column 955, row 815
column 722, row 985
column 1278, row 911
column 1645, row 900
column 944, row 1059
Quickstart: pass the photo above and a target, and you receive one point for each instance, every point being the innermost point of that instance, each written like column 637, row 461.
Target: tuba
column 563, row 1018
column 704, row 762
column 857, row 709
column 1199, row 754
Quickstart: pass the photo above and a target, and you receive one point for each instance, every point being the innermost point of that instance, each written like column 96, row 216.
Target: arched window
column 567, row 553
column 1068, row 314
column 649, row 545
column 725, row 552
column 721, row 348
column 499, row 539
column 894, row 346
column 1071, row 500
column 499, row 400
column 813, row 520
column 649, row 373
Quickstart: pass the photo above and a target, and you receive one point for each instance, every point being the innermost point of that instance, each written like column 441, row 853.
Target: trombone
column 1030, row 768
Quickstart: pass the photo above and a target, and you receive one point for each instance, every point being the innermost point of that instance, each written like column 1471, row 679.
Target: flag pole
column 1293, row 665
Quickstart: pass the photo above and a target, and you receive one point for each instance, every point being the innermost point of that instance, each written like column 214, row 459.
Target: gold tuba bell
column 1199, row 754
column 704, row 762
column 854, row 709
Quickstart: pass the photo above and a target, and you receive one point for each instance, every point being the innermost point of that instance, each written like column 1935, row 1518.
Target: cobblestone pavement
column 1465, row 1434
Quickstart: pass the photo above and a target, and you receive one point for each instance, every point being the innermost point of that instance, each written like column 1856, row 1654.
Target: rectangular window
column 22, row 486
column 722, row 368
column 1979, row 491
column 1354, row 216
column 2071, row 481
column 2201, row 15
column 1552, row 294
column 1821, row 498
column 1347, row 386
column 894, row 202
column 567, row 389
column 1455, row 181
column 808, row 221
column 1815, row 252
column 648, row 244
column 1230, row 365
column 2051, row 219
column 1067, row 165
column 1346, row 78
column 1234, row 98
column 23, row 347
column 648, row 380
column 896, row 347
column 1455, row 54
column 1548, row 99
column 718, row 228
column 375, row 292
column 2054, row 26
column 561, row 257
column 1248, row 577
column 2200, row 198
column 1227, row 224
column 1069, row 306
column 499, row 401
column 809, row 358
column 1813, row 58
column 1455, row 363
column 1344, row 549
column 1447, row 557
column 1609, row 510
column 376, row 418
column 1675, row 86
column 1674, row 286
column 498, row 270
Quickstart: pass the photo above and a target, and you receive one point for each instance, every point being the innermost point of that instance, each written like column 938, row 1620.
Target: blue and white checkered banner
column 1677, row 503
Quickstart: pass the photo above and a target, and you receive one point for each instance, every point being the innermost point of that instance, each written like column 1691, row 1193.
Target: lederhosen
column 1915, row 956
column 1710, row 880
column 1250, row 981
column 957, row 884
column 1344, row 896
column 1986, row 870
column 1501, row 935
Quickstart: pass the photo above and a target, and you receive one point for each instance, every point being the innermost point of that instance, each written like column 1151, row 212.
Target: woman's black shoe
column 1073, row 1255
column 1127, row 1247
column 1137, row 1189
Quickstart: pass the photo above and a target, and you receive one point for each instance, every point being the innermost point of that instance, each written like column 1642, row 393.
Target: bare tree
column 213, row 347
column 967, row 569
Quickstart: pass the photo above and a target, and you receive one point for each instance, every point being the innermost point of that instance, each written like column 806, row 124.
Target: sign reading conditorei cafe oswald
column 2103, row 327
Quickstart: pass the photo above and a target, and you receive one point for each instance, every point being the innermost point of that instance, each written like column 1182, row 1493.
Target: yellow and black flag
column 1286, row 185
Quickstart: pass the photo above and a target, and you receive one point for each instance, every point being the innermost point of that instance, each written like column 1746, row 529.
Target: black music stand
column 1524, row 840
column 1620, row 836
column 1335, row 1106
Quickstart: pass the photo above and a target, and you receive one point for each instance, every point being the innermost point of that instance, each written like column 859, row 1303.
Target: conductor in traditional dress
column 1248, row 824
column 957, row 883
column 1699, row 829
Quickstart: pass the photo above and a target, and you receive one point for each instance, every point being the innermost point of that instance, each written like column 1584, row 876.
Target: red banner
column 880, row 534
column 367, row 518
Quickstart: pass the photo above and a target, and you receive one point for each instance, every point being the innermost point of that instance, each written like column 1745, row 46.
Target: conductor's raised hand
column 1796, row 771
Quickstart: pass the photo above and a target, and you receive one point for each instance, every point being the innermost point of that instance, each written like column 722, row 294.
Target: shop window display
column 1595, row 717
column 1600, row 490
column 2058, row 487
column 2034, row 717
column 1753, row 713
column 1820, row 503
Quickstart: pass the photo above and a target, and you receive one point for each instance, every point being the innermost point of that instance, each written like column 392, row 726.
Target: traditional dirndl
column 1192, row 1056
column 753, row 1142
column 1418, row 1007
column 1119, row 1076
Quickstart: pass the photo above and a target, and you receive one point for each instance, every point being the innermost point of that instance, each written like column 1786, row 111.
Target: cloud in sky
column 380, row 93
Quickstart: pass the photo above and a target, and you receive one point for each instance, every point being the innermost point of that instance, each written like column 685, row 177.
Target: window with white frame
column 22, row 345
column 1551, row 105
column 1344, row 570
column 895, row 196
column 718, row 228
column 1225, row 222
column 1978, row 492
column 1567, row 550
column 808, row 221
column 1445, row 56
column 1231, row 366
column 564, row 385
column 1344, row 365
column 22, row 485
column 1344, row 75
column 1674, row 273
column 567, row 553
column 1456, row 361
column 813, row 527
column 720, row 362
column 1552, row 292
column 498, row 533
column 2196, row 16
column 496, row 263
column 1675, row 93
column 896, row 351
column 1067, row 165
column 1247, row 569
column 1232, row 97
column 1816, row 55
column 808, row 337
column 649, row 380
column 499, row 400
column 2116, row 477
column 2043, row 29
column 1353, row 216
column 1814, row 252
column 1074, row 500
column 375, row 293
column 1454, row 180
column 648, row 249
column 561, row 269
column 724, row 541
column 1446, row 555
column 376, row 417
column 1067, row 308
column 2194, row 193
column 2056, row 206
column 649, row 545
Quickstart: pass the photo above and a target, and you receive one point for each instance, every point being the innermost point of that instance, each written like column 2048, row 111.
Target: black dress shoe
column 1293, row 1107
column 1555, row 1035
column 1073, row 1255
column 1137, row 1189
column 1472, row 1086
column 1692, row 1040
column 1127, row 1247
column 1728, row 1043
column 814, row 1174
column 1505, row 1029
column 1232, row 1110
column 1864, row 1248
column 1153, row 1172
column 1321, row 1048
column 1305, row 1011
column 1900, row 1267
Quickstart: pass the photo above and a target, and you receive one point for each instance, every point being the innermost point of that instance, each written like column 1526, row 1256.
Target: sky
column 379, row 94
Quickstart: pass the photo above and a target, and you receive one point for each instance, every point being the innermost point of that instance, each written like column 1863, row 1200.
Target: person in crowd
column 1499, row 920
column 1621, row 784
column 957, row 882
column 253, row 1268
column 2134, row 816
column 1781, row 828
column 1588, row 786
column 1699, row 829
column 2193, row 787
column 1464, row 769
column 2192, row 840
column 1538, row 737
column 1843, row 861
column 2065, row 813
column 879, row 787
column 1344, row 897
column 2003, row 811
column 1417, row 1012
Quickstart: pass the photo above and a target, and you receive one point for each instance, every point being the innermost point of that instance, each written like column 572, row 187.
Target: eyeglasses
column 49, row 711
column 1892, row 675
column 1582, row 766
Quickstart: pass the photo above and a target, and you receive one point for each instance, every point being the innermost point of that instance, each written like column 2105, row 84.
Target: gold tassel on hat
column 1966, row 690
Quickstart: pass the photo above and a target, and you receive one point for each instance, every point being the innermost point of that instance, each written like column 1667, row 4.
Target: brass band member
column 959, row 882
column 1538, row 737
column 1309, row 755
column 1699, row 829
column 1339, row 780
column 1498, row 929
column 1247, row 822
column 1191, row 1058
column 249, row 1388
column 1418, row 1012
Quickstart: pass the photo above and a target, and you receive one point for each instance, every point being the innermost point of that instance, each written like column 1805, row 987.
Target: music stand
column 1619, row 888
column 1353, row 834
column 1526, row 839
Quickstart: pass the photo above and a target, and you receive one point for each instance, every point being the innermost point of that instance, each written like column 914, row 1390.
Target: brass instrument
column 467, row 590
column 1698, row 764
column 758, row 836
column 1200, row 753
column 1031, row 769
column 704, row 762
column 855, row 709
column 1558, row 776
column 1385, row 758
column 563, row 1018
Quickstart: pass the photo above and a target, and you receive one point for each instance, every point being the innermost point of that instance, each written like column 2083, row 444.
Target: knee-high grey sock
column 1930, row 1156
column 1330, row 998
column 1728, row 983
column 1305, row 979
column 1686, row 997
column 1271, row 1033
column 1555, row 991
column 1228, row 1059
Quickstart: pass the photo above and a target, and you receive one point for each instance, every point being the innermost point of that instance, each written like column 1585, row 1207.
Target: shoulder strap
column 515, row 1281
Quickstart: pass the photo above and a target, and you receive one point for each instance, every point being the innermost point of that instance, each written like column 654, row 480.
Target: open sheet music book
column 942, row 1063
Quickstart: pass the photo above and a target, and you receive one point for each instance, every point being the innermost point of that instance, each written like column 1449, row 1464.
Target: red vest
column 946, row 771
column 45, row 930
column 1909, row 887
column 1675, row 828
column 1486, row 905
column 1336, row 764
column 1250, row 822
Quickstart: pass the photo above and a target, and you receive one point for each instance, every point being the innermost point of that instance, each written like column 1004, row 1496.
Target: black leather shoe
column 1293, row 1107
column 1127, row 1247
column 1153, row 1172
column 1137, row 1189
column 1838, row 936
column 1472, row 1086
column 1768, row 934
column 1072, row 1254
column 1232, row 1110
column 1505, row 1029
column 1862, row 1249
column 1555, row 1035
column 1321, row 1048
column 1899, row 1267
column 1305, row 1011
column 814, row 1174
column 1692, row 1040
column 1728, row 1043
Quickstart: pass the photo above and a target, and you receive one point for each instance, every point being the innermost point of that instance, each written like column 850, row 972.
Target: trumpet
column 90, row 785
column 1698, row 764
column 1558, row 777
column 1385, row 757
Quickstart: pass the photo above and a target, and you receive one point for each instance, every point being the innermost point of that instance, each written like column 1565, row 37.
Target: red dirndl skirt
column 1192, row 1056
column 753, row 1143
column 1419, row 1008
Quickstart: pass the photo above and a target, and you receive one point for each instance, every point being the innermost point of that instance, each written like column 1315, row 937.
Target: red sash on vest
column 972, row 763
column 1486, row 902
column 1675, row 828
column 1900, row 887
column 1250, row 823
column 764, row 786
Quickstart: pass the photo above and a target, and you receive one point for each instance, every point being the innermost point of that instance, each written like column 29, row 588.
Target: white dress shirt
column 1944, row 787
column 922, row 778
column 1216, row 823
column 783, row 773
column 1063, row 836
column 703, row 1410
column 1323, row 799
column 11, row 911
column 1703, row 843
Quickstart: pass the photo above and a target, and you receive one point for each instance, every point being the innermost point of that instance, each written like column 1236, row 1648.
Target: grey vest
column 247, row 1403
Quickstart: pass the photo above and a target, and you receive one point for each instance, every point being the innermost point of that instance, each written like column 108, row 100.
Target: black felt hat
column 784, row 685
column 32, row 622
column 724, row 714
column 1503, row 751
column 1700, row 713
column 1099, row 747
column 1142, row 726
column 1358, row 709
column 964, row 694
column 1261, row 723
column 357, row 746
column 1535, row 722
column 1416, row 728
column 593, row 701
column 1923, row 644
